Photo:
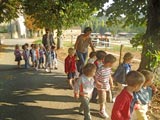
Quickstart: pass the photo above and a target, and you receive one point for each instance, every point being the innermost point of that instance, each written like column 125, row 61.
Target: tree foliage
column 9, row 9
column 139, row 12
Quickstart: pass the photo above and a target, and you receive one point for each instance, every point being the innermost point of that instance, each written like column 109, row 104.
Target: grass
column 38, row 42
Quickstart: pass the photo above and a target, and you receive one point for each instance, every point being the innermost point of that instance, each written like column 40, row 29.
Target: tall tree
column 138, row 12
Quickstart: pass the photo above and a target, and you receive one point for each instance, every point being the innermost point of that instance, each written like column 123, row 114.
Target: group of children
column 37, row 56
column 97, row 80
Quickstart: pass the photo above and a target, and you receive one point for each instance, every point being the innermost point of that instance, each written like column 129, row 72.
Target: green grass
column 38, row 42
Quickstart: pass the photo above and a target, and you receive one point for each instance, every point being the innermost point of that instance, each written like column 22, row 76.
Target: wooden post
column 121, row 53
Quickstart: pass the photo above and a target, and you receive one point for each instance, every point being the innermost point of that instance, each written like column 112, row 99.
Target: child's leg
column 141, row 113
column 85, row 106
column 55, row 63
column 94, row 95
column 19, row 63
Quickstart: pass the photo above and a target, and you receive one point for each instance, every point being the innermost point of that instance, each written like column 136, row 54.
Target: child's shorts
column 102, row 94
column 41, row 60
column 71, row 75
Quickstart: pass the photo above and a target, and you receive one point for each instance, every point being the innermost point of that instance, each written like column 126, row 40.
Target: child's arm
column 76, row 88
column 66, row 66
column 111, row 81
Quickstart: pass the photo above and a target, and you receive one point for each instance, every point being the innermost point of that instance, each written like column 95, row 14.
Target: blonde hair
column 128, row 56
column 16, row 46
column 71, row 51
column 88, row 68
column 148, row 75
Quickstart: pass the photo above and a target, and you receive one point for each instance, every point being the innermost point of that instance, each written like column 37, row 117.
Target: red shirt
column 70, row 64
column 121, row 108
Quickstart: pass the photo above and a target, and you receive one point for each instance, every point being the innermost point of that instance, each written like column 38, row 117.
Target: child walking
column 92, row 57
column 41, row 56
column 48, row 59
column 122, row 106
column 70, row 66
column 54, row 57
column 17, row 54
column 100, row 55
column 26, row 55
column 31, row 51
column 104, row 82
column 124, row 68
column 144, row 96
column 84, row 88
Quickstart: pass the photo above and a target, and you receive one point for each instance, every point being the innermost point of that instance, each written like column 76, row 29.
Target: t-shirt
column 103, row 76
column 121, row 107
column 82, row 45
column 144, row 95
column 84, row 86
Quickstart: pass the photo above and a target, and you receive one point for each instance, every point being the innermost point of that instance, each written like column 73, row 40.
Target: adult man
column 47, row 39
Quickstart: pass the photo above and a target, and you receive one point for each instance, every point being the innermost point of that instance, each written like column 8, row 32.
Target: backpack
column 120, row 74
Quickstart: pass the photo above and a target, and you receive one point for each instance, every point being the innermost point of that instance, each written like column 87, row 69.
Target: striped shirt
column 103, row 76
column 84, row 86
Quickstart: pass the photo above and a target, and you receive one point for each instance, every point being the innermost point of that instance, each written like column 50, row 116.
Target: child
column 121, row 109
column 104, row 82
column 144, row 96
column 70, row 66
column 17, row 54
column 26, row 55
column 54, row 57
column 31, row 51
column 36, row 55
column 123, row 68
column 41, row 56
column 100, row 55
column 92, row 57
column 84, row 89
column 48, row 59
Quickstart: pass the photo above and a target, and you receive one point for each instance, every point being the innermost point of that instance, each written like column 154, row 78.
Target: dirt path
column 31, row 95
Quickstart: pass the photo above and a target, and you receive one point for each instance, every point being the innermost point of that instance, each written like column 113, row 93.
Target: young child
column 121, row 109
column 48, row 59
column 26, row 55
column 104, row 82
column 31, row 51
column 124, row 68
column 17, row 54
column 100, row 55
column 84, row 88
column 54, row 57
column 144, row 96
column 36, row 50
column 41, row 56
column 70, row 66
column 92, row 57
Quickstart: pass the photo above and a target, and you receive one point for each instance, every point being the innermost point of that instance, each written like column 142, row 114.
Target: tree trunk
column 59, row 38
column 152, row 36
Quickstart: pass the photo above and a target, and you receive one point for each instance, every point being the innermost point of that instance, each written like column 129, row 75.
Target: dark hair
column 88, row 68
column 109, row 59
column 92, row 54
column 53, row 47
column 47, row 29
column 134, row 78
column 148, row 75
column 101, row 54
column 87, row 29
column 26, row 44
column 23, row 47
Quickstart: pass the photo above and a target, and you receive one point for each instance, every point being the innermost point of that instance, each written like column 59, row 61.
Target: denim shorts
column 71, row 75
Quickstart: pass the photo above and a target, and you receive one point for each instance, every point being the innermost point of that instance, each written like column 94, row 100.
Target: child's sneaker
column 104, row 114
column 47, row 70
column 56, row 68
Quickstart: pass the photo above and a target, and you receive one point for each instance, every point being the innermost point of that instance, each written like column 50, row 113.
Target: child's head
column 16, row 46
column 89, row 70
column 92, row 55
column 128, row 57
column 135, row 80
column 32, row 45
column 36, row 46
column 149, row 76
column 109, row 60
column 26, row 44
column 40, row 46
column 101, row 55
column 53, row 47
column 71, row 51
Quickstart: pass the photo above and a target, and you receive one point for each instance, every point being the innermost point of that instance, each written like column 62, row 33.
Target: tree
column 137, row 13
column 9, row 9
column 60, row 14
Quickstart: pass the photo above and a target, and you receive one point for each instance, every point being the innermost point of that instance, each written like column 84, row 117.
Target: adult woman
column 81, row 46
